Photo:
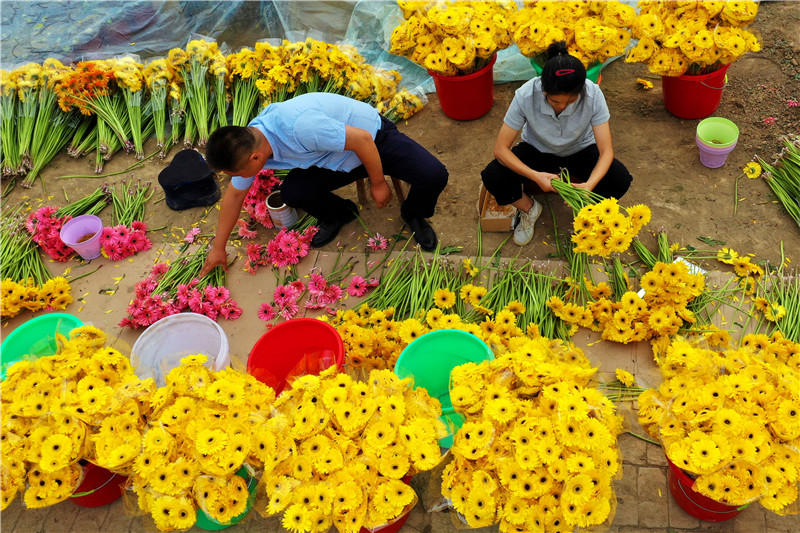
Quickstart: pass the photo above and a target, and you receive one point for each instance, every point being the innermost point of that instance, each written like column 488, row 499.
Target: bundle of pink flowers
column 287, row 248
column 121, row 241
column 45, row 229
column 150, row 304
column 322, row 295
column 255, row 203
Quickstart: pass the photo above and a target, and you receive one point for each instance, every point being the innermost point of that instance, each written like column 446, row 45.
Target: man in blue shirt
column 328, row 141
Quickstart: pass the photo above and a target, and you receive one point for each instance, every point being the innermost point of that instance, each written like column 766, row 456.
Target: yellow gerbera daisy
column 625, row 377
column 752, row 170
column 444, row 298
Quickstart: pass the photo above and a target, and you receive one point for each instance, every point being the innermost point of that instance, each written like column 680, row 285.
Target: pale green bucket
column 36, row 338
column 429, row 360
column 717, row 132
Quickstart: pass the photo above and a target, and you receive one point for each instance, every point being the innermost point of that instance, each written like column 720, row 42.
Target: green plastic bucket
column 430, row 359
column 717, row 132
column 209, row 524
column 35, row 338
column 592, row 73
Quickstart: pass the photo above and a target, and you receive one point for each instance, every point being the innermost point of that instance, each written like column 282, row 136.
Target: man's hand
column 381, row 193
column 543, row 179
column 217, row 256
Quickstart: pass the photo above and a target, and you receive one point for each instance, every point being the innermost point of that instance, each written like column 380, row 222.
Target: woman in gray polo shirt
column 564, row 122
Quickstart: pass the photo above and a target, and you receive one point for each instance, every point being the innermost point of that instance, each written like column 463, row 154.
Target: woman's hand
column 543, row 180
column 586, row 186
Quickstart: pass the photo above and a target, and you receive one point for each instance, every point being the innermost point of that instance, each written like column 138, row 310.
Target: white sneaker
column 523, row 233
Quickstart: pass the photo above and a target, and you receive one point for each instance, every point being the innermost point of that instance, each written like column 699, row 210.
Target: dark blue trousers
column 310, row 189
column 506, row 185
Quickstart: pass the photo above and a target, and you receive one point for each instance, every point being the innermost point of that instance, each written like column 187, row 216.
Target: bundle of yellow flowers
column 452, row 38
column 538, row 449
column 25, row 282
column 243, row 69
column 601, row 228
column 203, row 427
column 660, row 312
column 677, row 38
column 159, row 75
column 27, row 295
column 593, row 31
column 750, row 274
column 731, row 418
column 402, row 105
column 129, row 75
column 203, row 70
column 83, row 403
column 281, row 72
column 340, row 449
column 373, row 340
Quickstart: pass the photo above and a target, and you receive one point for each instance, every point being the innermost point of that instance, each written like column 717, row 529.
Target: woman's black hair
column 563, row 73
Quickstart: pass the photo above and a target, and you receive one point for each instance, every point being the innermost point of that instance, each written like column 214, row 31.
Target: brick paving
column 644, row 504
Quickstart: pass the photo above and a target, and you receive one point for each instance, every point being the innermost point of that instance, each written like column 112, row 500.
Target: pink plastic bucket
column 466, row 97
column 711, row 156
column 82, row 234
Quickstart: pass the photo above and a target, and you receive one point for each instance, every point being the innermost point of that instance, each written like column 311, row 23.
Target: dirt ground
column 687, row 199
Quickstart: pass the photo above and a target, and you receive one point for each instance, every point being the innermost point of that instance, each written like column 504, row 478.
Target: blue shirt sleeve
column 241, row 183
column 317, row 132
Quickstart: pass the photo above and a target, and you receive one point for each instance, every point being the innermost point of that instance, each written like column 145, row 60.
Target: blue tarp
column 74, row 31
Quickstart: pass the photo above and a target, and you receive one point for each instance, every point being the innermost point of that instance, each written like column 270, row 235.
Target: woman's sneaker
column 523, row 233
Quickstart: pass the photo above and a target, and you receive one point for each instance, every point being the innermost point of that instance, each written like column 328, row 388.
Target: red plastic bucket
column 398, row 524
column 693, row 96
column 694, row 503
column 295, row 348
column 99, row 487
column 466, row 97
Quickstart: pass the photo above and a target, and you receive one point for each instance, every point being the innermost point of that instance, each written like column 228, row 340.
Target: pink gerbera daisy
column 377, row 242
column 266, row 312
column 193, row 233
column 357, row 286
column 217, row 295
column 244, row 231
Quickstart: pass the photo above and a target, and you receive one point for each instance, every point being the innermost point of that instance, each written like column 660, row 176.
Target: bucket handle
column 724, row 84
column 88, row 492
column 680, row 486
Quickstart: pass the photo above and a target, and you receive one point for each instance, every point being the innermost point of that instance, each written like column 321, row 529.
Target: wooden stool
column 362, row 190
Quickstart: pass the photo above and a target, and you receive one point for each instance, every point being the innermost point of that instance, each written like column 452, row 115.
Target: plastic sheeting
column 74, row 31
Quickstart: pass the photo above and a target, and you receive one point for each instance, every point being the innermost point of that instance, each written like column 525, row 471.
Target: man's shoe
column 329, row 230
column 524, row 230
column 423, row 232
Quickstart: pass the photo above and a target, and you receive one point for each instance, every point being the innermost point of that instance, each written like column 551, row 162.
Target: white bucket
column 165, row 342
column 281, row 214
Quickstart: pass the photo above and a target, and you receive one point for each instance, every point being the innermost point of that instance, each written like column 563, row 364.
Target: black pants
column 506, row 185
column 311, row 189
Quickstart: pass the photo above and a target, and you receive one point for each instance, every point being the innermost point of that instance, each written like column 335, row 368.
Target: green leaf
column 691, row 248
column 450, row 249
column 710, row 241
